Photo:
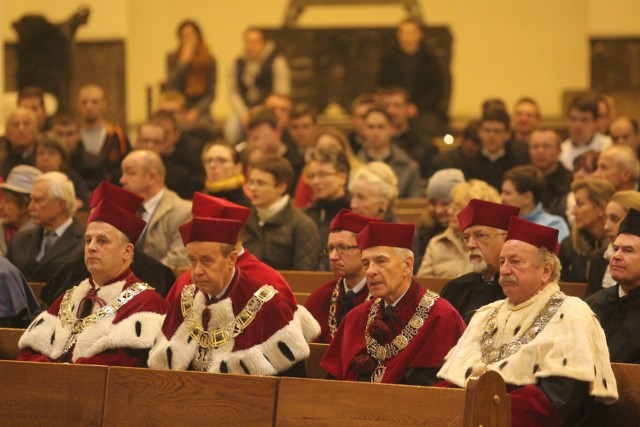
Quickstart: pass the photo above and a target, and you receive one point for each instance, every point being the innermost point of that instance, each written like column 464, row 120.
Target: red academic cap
column 122, row 219
column 350, row 221
column 480, row 212
column 205, row 206
column 386, row 234
column 210, row 230
column 125, row 199
column 534, row 234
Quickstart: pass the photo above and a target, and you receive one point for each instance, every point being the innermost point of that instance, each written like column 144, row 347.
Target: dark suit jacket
column 25, row 245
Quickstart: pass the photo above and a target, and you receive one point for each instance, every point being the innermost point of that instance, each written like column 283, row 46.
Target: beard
column 478, row 265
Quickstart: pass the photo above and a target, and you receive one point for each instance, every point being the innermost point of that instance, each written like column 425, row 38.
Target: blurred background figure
column 223, row 168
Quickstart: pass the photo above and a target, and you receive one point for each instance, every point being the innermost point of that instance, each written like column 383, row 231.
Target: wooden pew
column 313, row 361
column 301, row 297
column 36, row 287
column 150, row 397
column 51, row 394
column 346, row 403
column 412, row 203
column 626, row 411
column 9, row 343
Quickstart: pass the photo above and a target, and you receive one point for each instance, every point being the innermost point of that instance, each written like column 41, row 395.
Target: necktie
column 47, row 241
column 346, row 304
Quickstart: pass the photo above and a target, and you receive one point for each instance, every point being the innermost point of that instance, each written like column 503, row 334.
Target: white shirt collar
column 357, row 288
column 151, row 205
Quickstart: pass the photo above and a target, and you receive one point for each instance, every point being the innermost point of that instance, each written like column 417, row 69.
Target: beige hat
column 21, row 178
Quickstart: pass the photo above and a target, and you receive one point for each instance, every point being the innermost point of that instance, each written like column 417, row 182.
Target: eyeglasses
column 216, row 160
column 342, row 249
column 319, row 175
column 479, row 236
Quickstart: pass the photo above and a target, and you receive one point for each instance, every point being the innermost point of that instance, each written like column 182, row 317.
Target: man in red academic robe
column 214, row 207
column 111, row 318
column 331, row 302
column 226, row 321
column 402, row 335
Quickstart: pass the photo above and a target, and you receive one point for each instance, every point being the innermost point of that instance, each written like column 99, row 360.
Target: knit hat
column 441, row 183
column 480, row 212
column 386, row 234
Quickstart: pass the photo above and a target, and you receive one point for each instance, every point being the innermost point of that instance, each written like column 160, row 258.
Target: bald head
column 624, row 131
column 143, row 173
column 22, row 129
column 619, row 165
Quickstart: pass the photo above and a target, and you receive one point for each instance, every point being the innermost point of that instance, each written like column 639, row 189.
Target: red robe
column 319, row 302
column 252, row 266
column 273, row 342
column 427, row 349
column 118, row 340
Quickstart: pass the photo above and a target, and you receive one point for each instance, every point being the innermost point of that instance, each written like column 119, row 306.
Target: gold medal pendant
column 378, row 373
column 200, row 363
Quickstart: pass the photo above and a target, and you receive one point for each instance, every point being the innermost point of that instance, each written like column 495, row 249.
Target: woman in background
column 223, row 169
column 192, row 71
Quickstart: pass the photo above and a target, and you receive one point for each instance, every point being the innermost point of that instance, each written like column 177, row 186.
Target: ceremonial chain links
column 383, row 352
column 333, row 307
column 234, row 328
column 492, row 354
column 78, row 325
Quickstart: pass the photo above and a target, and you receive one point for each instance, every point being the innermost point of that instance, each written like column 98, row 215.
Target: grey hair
column 60, row 188
column 382, row 177
column 544, row 256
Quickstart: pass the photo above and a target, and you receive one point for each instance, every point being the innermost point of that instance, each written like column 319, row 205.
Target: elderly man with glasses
column 331, row 302
column 484, row 226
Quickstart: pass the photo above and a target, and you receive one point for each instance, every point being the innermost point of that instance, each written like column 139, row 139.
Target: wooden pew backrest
column 9, row 343
column 626, row 411
column 150, row 397
column 51, row 394
column 313, row 361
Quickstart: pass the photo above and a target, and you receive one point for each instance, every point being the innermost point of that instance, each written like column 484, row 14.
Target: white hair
column 60, row 188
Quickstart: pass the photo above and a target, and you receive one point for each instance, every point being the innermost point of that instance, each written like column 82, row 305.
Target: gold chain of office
column 221, row 336
column 78, row 325
column 492, row 354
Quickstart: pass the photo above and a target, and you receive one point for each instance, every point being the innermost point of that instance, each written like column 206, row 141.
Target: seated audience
column 51, row 156
column 526, row 119
column 14, row 215
column 599, row 276
column 617, row 306
column 584, row 166
column 276, row 232
column 544, row 151
column 110, row 318
column 100, row 137
column 548, row 347
column 224, row 173
column 326, row 172
column 86, row 164
column 523, row 187
column 302, row 127
column 57, row 236
column 143, row 174
column 587, row 234
column 374, row 190
column 239, row 325
column 32, row 98
column 446, row 255
column 18, row 304
column 582, row 117
column 402, row 334
column 358, row 110
column 619, row 165
column 205, row 206
column 18, row 143
column 145, row 267
column 484, row 227
column 153, row 137
column 625, row 131
column 436, row 220
column 379, row 146
column 331, row 302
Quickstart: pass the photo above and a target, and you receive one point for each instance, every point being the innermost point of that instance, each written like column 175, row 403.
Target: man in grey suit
column 57, row 238
column 143, row 174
